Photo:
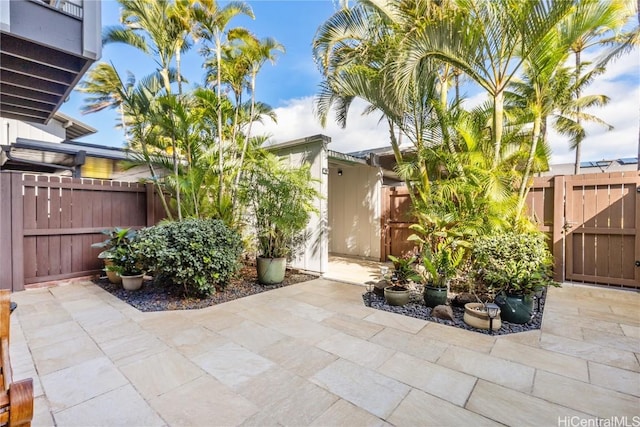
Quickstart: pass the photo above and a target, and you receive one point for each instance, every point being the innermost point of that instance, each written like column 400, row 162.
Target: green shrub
column 513, row 263
column 196, row 254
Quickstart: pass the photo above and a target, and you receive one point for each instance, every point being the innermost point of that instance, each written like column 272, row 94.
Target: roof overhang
column 34, row 79
column 74, row 128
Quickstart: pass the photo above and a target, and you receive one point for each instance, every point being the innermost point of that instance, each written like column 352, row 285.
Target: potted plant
column 127, row 263
column 515, row 266
column 282, row 199
column 477, row 315
column 117, row 237
column 443, row 251
column 403, row 274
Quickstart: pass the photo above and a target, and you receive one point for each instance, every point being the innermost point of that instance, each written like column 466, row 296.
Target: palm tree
column 136, row 100
column 212, row 21
column 583, row 29
column 158, row 28
column 534, row 96
column 104, row 85
column 152, row 27
column 257, row 53
column 488, row 41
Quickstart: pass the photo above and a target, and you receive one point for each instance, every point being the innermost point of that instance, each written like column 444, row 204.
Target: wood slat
column 74, row 184
column 6, row 247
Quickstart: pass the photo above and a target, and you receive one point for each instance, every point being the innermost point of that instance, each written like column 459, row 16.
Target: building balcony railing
column 73, row 8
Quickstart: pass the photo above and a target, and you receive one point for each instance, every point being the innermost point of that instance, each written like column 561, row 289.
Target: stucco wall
column 354, row 210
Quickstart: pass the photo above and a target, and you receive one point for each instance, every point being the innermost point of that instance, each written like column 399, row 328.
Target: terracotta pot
column 479, row 319
column 112, row 275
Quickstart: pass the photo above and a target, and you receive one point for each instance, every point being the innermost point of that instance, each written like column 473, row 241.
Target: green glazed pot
column 271, row 270
column 434, row 296
column 515, row 308
column 396, row 297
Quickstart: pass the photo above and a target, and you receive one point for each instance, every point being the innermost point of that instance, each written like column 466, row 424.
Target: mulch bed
column 417, row 309
column 161, row 296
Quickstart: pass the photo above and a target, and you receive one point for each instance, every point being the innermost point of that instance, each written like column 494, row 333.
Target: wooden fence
column 592, row 220
column 48, row 223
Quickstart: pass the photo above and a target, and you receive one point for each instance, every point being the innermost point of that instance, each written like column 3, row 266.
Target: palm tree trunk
column 246, row 140
column 498, row 121
column 537, row 125
column 576, row 168
column 176, row 175
column 220, row 140
column 178, row 62
column 154, row 177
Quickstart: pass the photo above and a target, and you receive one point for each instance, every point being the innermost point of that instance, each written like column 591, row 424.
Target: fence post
column 17, row 231
column 6, row 250
column 384, row 217
column 151, row 205
column 558, row 228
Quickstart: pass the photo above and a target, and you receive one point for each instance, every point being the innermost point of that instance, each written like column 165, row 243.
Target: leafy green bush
column 513, row 263
column 197, row 254
column 282, row 199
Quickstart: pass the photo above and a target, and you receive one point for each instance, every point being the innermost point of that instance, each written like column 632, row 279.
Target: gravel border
column 163, row 297
column 417, row 309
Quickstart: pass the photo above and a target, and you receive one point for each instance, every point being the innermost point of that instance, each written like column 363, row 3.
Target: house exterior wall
column 77, row 31
column 12, row 129
column 314, row 256
column 354, row 210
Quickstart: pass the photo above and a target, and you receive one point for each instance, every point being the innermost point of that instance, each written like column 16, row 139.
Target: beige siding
column 314, row 256
column 354, row 210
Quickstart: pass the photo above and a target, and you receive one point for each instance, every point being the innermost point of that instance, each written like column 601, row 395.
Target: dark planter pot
column 515, row 308
column 434, row 296
column 399, row 296
column 271, row 270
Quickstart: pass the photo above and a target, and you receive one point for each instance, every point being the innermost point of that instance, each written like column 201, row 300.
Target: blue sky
column 292, row 23
column 290, row 84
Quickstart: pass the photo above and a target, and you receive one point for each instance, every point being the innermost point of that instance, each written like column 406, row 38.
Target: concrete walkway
column 312, row 354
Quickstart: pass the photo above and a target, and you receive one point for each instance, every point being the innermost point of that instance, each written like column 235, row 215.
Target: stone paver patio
column 312, row 354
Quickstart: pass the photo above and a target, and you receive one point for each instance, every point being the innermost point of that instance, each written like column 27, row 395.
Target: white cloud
column 621, row 83
column 296, row 120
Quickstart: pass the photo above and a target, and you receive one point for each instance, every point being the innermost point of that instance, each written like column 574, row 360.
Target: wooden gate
column 602, row 223
column 592, row 220
column 48, row 223
column 396, row 220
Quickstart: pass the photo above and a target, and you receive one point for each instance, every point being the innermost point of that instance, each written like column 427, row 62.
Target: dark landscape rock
column 443, row 312
column 379, row 286
column 417, row 309
column 160, row 297
column 463, row 298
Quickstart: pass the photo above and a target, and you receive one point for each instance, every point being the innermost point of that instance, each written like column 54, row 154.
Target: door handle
column 637, row 263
